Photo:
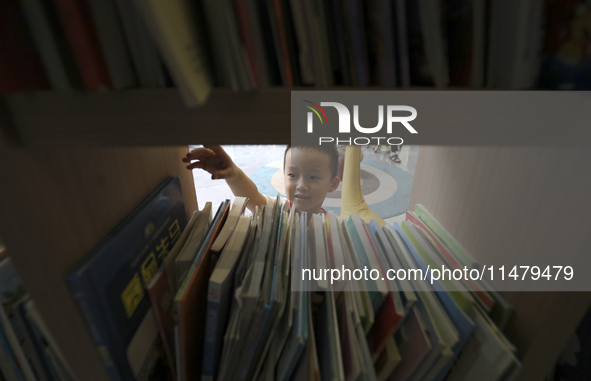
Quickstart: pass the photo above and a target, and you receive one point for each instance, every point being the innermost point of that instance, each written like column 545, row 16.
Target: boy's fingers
column 198, row 154
column 197, row 164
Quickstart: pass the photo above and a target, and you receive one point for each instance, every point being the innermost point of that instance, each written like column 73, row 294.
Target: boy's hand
column 214, row 160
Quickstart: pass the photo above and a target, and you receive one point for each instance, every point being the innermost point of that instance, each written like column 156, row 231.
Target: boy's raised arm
column 218, row 163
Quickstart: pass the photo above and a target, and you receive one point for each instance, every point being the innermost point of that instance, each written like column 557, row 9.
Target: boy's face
column 308, row 179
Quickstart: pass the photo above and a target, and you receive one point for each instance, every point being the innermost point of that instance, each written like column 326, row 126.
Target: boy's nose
column 301, row 185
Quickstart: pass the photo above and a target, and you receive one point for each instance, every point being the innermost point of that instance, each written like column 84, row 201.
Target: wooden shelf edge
column 158, row 117
column 145, row 117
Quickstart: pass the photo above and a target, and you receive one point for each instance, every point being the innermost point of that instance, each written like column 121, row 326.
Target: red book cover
column 20, row 66
column 83, row 40
column 284, row 48
column 245, row 34
column 192, row 309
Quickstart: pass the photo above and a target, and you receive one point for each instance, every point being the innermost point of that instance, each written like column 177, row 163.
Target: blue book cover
column 210, row 357
column 109, row 284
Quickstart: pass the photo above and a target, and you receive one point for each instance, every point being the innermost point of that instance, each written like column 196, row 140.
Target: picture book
column 109, row 284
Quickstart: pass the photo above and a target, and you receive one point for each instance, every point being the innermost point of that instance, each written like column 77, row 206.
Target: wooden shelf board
column 147, row 117
column 158, row 117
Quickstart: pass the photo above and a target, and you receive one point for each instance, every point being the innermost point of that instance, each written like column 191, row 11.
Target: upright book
column 109, row 284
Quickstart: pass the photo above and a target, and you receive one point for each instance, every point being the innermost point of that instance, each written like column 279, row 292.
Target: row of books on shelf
column 249, row 44
column 222, row 296
column 28, row 351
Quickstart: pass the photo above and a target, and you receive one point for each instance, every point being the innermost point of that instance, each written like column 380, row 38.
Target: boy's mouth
column 301, row 197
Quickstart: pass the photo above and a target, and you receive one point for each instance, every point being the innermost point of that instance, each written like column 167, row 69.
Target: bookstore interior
column 111, row 268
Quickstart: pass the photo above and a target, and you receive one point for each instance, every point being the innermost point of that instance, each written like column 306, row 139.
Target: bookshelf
column 74, row 165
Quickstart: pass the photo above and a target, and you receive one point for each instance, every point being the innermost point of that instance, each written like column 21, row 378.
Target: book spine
column 77, row 23
column 14, row 342
column 95, row 331
column 45, row 41
column 8, row 364
column 210, row 344
column 282, row 36
column 110, row 34
column 377, row 299
column 253, row 344
column 245, row 33
column 37, row 344
column 142, row 47
column 21, row 68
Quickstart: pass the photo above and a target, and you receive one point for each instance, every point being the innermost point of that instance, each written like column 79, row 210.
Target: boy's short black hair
column 330, row 150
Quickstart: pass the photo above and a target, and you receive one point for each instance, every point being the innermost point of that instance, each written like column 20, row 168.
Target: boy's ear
column 334, row 184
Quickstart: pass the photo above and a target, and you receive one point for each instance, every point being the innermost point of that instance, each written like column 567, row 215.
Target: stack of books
column 248, row 298
column 28, row 351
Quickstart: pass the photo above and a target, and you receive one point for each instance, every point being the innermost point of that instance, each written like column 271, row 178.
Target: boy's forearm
column 242, row 185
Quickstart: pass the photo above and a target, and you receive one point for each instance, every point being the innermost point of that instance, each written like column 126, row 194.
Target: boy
column 310, row 172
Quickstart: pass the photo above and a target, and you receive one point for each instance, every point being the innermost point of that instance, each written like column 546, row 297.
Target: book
column 189, row 251
column 39, row 347
column 84, row 43
column 407, row 294
column 237, row 209
column 55, row 356
column 169, row 260
column 381, row 35
column 50, row 42
column 388, row 360
column 248, row 306
column 355, row 26
column 191, row 304
column 246, row 38
column 427, row 256
column 453, row 245
column 8, row 364
column 253, row 39
column 219, row 296
column 515, row 44
column 417, row 348
column 402, row 43
column 280, row 28
column 109, row 284
column 21, row 68
column 269, row 302
column 466, row 40
column 434, row 36
column 177, row 36
column 12, row 346
column 142, row 47
column 163, row 309
column 328, row 339
column 486, row 301
column 113, row 44
column 377, row 288
column 297, row 341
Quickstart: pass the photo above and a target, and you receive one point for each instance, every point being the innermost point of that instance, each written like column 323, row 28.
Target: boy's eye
column 292, row 175
column 314, row 178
